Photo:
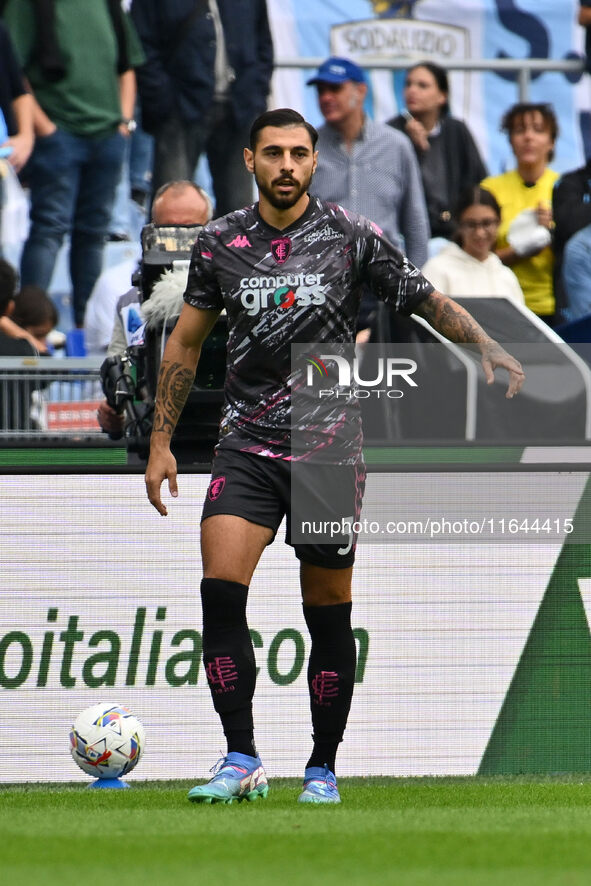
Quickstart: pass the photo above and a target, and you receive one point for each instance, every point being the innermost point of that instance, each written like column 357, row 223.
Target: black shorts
column 312, row 497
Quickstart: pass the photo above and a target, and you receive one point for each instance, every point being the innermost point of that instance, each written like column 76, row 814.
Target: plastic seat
column 75, row 345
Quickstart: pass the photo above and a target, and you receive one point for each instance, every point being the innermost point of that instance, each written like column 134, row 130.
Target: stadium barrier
column 41, row 396
column 523, row 67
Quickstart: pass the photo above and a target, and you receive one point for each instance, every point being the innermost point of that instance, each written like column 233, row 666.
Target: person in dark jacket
column 10, row 345
column 15, row 395
column 449, row 159
column 571, row 211
column 78, row 59
column 16, row 107
column 207, row 76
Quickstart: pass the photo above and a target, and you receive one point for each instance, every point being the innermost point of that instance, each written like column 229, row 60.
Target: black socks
column 230, row 667
column 331, row 677
column 229, row 661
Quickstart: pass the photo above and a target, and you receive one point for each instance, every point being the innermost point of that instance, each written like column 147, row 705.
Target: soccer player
column 288, row 269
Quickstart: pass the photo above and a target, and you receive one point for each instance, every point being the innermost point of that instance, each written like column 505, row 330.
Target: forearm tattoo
column 174, row 383
column 452, row 321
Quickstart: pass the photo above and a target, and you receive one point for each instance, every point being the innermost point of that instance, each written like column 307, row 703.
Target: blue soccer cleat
column 320, row 786
column 236, row 777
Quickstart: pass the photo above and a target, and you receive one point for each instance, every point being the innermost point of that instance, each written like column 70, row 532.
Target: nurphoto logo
column 348, row 378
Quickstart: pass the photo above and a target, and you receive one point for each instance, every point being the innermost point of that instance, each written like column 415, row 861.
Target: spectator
column 35, row 312
column 15, row 402
column 525, row 197
column 8, row 328
column 79, row 59
column 575, row 275
column 16, row 106
column 100, row 307
column 16, row 144
column 584, row 19
column 11, row 345
column 177, row 203
column 19, row 403
column 134, row 190
column 447, row 154
column 206, row 77
column 365, row 166
column 469, row 266
column 571, row 207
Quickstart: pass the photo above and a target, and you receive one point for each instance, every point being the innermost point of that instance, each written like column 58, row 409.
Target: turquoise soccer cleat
column 236, row 777
column 320, row 786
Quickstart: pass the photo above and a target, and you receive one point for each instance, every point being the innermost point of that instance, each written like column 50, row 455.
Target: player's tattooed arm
column 174, row 385
column 177, row 371
column 452, row 320
column 456, row 324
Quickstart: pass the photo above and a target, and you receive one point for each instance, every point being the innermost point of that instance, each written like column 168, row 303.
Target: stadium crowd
column 65, row 141
column 78, row 148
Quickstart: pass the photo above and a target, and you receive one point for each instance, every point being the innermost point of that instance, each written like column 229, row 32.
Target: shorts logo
column 281, row 248
column 240, row 241
column 216, row 487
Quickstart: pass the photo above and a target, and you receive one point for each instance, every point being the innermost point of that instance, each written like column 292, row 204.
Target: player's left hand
column 494, row 355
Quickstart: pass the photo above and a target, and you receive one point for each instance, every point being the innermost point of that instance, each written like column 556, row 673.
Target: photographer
column 176, row 204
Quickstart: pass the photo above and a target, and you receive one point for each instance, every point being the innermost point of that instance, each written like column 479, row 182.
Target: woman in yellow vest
column 525, row 197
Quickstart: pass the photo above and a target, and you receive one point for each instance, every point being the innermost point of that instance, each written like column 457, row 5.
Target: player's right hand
column 161, row 466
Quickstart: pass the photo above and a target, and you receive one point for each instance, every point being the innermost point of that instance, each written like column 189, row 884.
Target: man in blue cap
column 365, row 166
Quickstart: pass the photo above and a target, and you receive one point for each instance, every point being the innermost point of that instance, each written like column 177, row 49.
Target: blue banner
column 444, row 32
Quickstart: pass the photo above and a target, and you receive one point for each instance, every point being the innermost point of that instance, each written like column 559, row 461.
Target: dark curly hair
column 517, row 113
column 33, row 306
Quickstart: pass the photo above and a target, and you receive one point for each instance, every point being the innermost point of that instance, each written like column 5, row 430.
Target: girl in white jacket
column 469, row 266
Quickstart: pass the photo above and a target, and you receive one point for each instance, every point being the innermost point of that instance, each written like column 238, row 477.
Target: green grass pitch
column 408, row 832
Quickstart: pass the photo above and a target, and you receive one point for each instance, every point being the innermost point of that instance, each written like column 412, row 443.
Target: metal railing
column 524, row 67
column 42, row 397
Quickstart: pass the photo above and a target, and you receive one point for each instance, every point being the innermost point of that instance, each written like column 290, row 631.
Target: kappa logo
column 240, row 241
column 281, row 248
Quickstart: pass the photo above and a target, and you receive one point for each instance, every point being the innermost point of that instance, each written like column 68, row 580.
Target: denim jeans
column 135, row 185
column 73, row 181
column 576, row 265
column 178, row 146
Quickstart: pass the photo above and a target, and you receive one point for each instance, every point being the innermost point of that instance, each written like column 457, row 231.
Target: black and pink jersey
column 302, row 284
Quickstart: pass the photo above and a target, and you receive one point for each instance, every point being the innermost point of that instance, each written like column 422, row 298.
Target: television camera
column 129, row 380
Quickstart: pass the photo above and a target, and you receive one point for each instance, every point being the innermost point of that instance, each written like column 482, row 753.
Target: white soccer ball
column 107, row 741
